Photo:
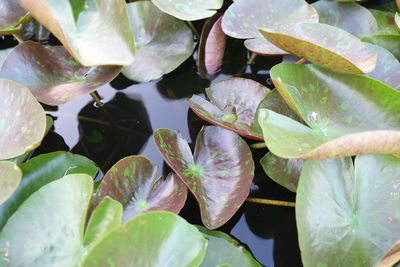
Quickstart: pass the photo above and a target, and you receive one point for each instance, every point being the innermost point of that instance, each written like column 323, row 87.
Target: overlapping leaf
column 11, row 14
column 51, row 74
column 134, row 182
column 219, row 174
column 348, row 216
column 389, row 42
column 95, row 32
column 391, row 257
column 10, row 177
column 22, row 121
column 233, row 104
column 386, row 22
column 244, row 17
column 334, row 106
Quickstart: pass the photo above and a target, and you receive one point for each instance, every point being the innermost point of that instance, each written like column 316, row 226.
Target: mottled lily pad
column 11, row 15
column 189, row 9
column 386, row 22
column 219, row 173
column 52, row 75
column 10, row 176
column 389, row 42
column 348, row 216
column 334, row 106
column 23, row 121
column 244, row 17
column 233, row 104
column 324, row 45
column 162, row 44
column 134, row 182
column 95, row 32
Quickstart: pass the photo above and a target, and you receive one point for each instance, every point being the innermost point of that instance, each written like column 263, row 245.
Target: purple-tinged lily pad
column 3, row 54
column 233, row 104
column 10, row 176
column 95, row 32
column 389, row 42
column 244, row 17
column 324, row 45
column 11, row 15
column 346, row 114
column 134, row 182
column 162, row 42
column 219, row 174
column 23, row 121
column 51, row 74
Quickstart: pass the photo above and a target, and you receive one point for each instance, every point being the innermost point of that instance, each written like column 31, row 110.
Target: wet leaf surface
column 10, row 177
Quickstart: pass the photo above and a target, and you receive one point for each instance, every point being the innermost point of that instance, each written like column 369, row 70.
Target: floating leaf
column 95, row 32
column 47, row 229
column 11, row 15
column 52, row 75
column 233, row 104
column 134, row 182
column 189, row 10
column 386, row 22
column 23, row 121
column 334, row 106
column 10, row 176
column 397, row 20
column 162, row 44
column 350, row 17
column 157, row 239
column 226, row 251
column 3, row 54
column 348, row 216
column 244, row 17
column 391, row 257
column 219, row 174
column 325, row 45
column 389, row 42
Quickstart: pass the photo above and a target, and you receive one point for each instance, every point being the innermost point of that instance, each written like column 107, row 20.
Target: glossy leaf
column 134, row 182
column 224, row 250
column 3, row 54
column 244, row 17
column 162, row 44
column 219, row 174
column 157, row 239
column 391, row 257
column 233, row 103
column 95, row 32
column 23, row 121
column 40, row 171
column 11, row 14
column 52, row 75
column 47, row 229
column 348, row 216
column 10, row 177
column 334, row 106
column 389, row 42
column 386, row 22
column 189, row 10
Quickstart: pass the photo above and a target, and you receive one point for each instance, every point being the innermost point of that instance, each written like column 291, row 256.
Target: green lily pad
column 397, row 20
column 52, row 75
column 134, row 182
column 23, row 121
column 389, row 42
column 324, row 45
column 189, row 10
column 47, row 229
column 348, row 216
column 219, row 174
column 386, row 22
column 329, row 103
column 10, row 177
column 224, row 250
column 233, row 104
column 162, row 44
column 95, row 32
column 244, row 17
column 157, row 239
column 40, row 171
column 11, row 15
column 349, row 16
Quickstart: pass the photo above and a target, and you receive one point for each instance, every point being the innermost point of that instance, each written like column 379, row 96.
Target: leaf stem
column 300, row 61
column 191, row 26
column 271, row 202
column 252, row 58
column 97, row 99
column 258, row 145
column 18, row 38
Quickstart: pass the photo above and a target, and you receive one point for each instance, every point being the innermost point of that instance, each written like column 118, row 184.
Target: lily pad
column 11, row 15
column 162, row 44
column 23, row 121
column 348, row 216
column 134, row 182
column 244, row 17
column 397, row 20
column 189, row 10
column 233, row 104
column 389, row 42
column 10, row 177
column 324, row 45
column 52, row 75
column 349, row 16
column 219, row 174
column 391, row 257
column 95, row 32
column 386, row 22
column 3, row 54
column 47, row 229
column 157, row 239
column 329, row 103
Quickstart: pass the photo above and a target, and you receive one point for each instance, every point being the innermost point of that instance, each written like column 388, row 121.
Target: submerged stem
column 96, row 98
column 252, row 58
column 258, row 145
column 271, row 202
column 191, row 26
column 18, row 38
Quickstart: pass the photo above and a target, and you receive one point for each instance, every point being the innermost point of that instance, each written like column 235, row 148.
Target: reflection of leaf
column 10, row 176
column 11, row 15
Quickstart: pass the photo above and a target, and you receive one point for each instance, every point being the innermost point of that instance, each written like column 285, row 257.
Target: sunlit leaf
column 10, row 177
column 389, row 42
column 397, row 21
column 11, row 14
column 386, row 22
column 219, row 174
